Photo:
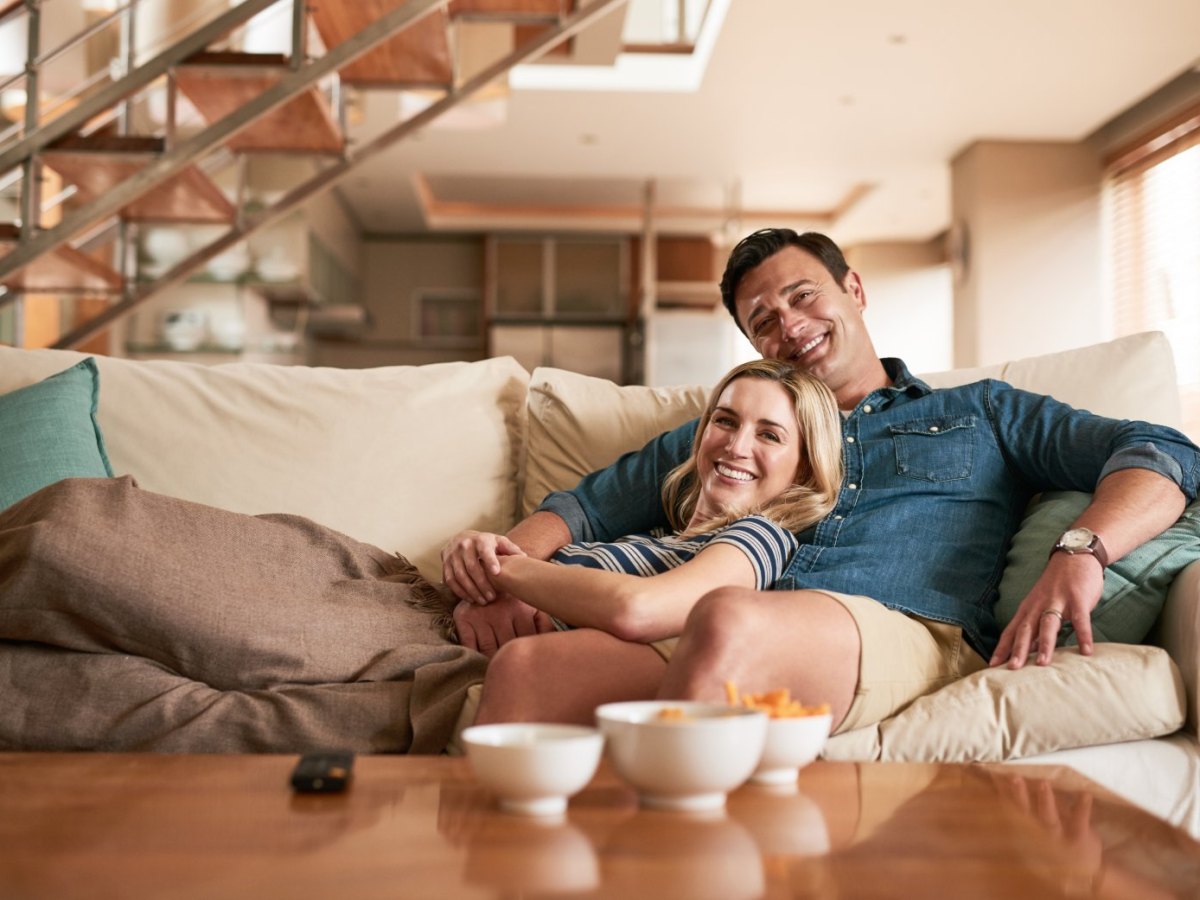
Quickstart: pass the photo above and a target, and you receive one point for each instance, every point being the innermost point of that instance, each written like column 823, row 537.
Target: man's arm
column 1129, row 507
column 618, row 500
column 483, row 620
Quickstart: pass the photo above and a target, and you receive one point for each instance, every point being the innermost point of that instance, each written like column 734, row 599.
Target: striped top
column 767, row 545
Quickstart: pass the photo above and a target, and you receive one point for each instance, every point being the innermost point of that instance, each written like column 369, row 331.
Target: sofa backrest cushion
column 1131, row 377
column 578, row 424
column 400, row 457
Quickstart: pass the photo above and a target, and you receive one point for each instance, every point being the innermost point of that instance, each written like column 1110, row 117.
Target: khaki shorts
column 903, row 657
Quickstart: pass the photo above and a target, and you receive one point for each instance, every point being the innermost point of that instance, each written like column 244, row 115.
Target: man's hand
column 488, row 628
column 1067, row 591
column 470, row 558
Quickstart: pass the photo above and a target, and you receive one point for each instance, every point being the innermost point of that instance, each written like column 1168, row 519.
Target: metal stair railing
column 132, row 82
column 187, row 151
column 351, row 159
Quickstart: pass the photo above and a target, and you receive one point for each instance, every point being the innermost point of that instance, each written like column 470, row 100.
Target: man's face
column 792, row 309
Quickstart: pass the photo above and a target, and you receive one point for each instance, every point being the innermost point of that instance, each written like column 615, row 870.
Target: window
column 1152, row 213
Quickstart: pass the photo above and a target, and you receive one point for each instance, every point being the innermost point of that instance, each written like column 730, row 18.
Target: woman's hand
column 470, row 559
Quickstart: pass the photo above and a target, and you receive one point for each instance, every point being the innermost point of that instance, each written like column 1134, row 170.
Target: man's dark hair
column 753, row 249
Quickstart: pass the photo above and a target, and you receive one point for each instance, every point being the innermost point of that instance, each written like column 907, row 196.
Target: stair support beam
column 323, row 180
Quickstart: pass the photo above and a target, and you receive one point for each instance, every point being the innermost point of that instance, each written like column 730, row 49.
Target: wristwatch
column 1082, row 540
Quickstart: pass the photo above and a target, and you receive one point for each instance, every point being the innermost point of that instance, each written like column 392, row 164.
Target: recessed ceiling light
column 589, row 140
column 898, row 39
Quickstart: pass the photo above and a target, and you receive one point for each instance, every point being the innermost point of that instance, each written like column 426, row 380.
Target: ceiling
column 843, row 116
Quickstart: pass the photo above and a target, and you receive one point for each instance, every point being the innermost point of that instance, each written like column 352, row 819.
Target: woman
column 766, row 463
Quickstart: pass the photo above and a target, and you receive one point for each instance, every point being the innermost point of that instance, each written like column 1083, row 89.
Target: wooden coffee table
column 143, row 825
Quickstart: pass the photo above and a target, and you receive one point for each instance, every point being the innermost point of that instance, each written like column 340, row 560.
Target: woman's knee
column 725, row 613
column 514, row 660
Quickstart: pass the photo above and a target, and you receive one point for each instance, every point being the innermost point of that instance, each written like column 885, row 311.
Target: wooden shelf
column 97, row 165
column 220, row 83
column 63, row 270
column 419, row 56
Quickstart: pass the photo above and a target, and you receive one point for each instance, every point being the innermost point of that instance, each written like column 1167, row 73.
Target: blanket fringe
column 424, row 596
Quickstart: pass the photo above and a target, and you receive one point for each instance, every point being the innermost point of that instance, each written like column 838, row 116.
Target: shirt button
column 850, row 440
column 933, row 428
column 853, row 487
column 867, row 408
column 837, row 518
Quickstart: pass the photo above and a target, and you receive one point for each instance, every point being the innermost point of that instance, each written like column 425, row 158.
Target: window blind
column 1152, row 220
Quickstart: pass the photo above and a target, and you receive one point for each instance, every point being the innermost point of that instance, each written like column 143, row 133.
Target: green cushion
column 48, row 431
column 1135, row 586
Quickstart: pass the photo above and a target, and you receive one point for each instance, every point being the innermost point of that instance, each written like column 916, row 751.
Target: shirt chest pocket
column 935, row 449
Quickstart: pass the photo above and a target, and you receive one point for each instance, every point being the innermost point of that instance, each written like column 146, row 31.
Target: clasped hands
column 485, row 617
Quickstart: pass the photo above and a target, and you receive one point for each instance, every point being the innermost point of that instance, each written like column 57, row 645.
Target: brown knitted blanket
column 134, row 621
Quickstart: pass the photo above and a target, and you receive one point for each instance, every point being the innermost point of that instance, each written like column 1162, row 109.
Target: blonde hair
column 814, row 491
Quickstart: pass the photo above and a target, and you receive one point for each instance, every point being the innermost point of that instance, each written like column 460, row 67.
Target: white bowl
column 533, row 768
column 791, row 744
column 682, row 764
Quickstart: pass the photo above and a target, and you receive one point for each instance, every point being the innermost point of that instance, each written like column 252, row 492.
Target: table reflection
column 861, row 830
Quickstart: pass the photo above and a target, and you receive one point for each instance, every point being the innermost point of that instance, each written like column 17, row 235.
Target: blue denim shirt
column 936, row 485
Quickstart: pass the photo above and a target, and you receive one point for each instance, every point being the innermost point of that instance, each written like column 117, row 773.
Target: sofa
column 402, row 457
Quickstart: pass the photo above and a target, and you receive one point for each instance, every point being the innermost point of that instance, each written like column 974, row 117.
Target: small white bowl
column 791, row 744
column 531, row 767
column 682, row 764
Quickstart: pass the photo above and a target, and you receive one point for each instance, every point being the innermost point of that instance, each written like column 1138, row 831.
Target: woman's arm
column 630, row 607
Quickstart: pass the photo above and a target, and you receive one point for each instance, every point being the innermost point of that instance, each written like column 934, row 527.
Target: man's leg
column 805, row 641
column 565, row 675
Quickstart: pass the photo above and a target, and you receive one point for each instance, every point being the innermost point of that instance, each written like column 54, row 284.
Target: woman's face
column 750, row 450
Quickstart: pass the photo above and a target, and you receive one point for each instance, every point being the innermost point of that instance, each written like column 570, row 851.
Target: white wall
column 695, row 346
column 1030, row 279
column 910, row 308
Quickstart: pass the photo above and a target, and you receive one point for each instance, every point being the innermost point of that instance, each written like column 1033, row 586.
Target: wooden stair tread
column 510, row 10
column 303, row 124
column 418, row 56
column 104, row 142
column 232, row 58
column 62, row 270
column 189, row 196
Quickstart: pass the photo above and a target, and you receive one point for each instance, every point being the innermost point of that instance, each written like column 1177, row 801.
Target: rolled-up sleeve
column 1057, row 446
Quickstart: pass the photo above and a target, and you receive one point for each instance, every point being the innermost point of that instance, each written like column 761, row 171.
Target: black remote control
column 323, row 773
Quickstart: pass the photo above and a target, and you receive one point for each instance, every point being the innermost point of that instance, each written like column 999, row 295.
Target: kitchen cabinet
column 562, row 301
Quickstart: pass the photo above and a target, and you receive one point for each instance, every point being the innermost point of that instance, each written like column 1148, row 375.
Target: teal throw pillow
column 48, row 431
column 1135, row 586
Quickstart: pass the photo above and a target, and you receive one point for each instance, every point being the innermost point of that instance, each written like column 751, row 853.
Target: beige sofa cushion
column 1121, row 693
column 578, row 424
column 399, row 457
column 1128, row 378
column 1178, row 631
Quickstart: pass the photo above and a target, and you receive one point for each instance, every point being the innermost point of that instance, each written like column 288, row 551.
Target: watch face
column 1076, row 539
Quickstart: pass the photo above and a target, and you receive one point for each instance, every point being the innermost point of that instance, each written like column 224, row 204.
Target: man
column 890, row 596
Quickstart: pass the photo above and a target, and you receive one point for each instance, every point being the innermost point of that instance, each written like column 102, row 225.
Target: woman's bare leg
column 563, row 676
column 802, row 640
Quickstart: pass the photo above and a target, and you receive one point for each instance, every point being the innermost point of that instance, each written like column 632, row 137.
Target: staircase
column 121, row 168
